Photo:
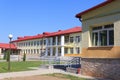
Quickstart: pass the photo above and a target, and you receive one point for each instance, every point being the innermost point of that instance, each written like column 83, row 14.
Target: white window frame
column 98, row 31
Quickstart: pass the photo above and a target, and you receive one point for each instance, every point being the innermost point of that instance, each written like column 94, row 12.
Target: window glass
column 77, row 38
column 48, row 51
column 77, row 50
column 38, row 43
column 71, row 39
column 103, row 36
column 95, row 39
column 54, row 40
column 34, row 43
column 31, row 43
column 66, row 50
column 66, row 38
column 59, row 50
column 71, row 50
column 49, row 41
column 44, row 42
column 111, row 37
column 37, row 51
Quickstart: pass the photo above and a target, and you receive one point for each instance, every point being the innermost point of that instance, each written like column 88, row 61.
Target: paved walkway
column 39, row 71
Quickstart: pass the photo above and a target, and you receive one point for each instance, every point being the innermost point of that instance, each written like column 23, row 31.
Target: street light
column 10, row 36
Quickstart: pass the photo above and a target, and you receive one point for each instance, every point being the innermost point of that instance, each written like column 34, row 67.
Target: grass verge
column 18, row 66
column 70, row 77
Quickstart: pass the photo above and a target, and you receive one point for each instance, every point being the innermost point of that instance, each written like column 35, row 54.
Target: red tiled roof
column 7, row 46
column 49, row 34
column 93, row 8
column 68, row 31
column 28, row 38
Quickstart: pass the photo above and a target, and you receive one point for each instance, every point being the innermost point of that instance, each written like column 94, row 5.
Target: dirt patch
column 43, row 77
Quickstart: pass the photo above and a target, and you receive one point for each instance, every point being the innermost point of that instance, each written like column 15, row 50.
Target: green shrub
column 6, row 55
column 24, row 57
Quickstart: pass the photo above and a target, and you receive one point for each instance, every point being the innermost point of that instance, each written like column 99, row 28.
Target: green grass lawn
column 18, row 66
column 70, row 77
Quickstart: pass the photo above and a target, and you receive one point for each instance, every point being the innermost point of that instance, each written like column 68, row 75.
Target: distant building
column 60, row 43
column 4, row 47
column 101, row 40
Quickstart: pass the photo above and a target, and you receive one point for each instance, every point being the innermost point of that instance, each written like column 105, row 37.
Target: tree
column 6, row 55
column 24, row 57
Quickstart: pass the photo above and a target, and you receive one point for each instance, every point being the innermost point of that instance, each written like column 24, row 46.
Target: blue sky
column 31, row 17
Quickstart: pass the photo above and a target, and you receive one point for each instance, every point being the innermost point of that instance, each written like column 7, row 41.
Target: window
column 41, row 42
column 111, row 37
column 34, row 43
column 48, row 51
column 71, row 39
column 38, row 43
column 37, row 51
column 31, row 43
column 59, row 50
column 66, row 50
column 77, row 39
column 49, row 41
column 24, row 43
column 44, row 42
column 103, row 38
column 103, row 35
column 28, row 43
column 54, row 51
column 71, row 50
column 66, row 38
column 59, row 39
column 77, row 50
column 54, row 40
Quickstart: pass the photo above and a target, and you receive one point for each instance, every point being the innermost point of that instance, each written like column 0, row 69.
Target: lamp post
column 10, row 36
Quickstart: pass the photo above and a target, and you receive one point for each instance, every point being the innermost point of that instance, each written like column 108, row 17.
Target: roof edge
column 50, row 34
column 93, row 8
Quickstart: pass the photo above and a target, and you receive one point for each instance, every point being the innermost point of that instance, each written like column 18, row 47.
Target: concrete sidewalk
column 39, row 71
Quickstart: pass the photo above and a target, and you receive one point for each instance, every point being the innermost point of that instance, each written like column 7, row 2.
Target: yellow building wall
column 30, row 47
column 73, row 45
column 105, row 15
column 109, row 9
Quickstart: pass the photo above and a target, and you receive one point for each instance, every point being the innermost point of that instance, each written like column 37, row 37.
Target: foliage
column 6, row 55
column 24, row 57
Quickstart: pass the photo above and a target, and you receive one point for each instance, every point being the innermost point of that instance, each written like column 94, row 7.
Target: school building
column 100, row 56
column 53, row 44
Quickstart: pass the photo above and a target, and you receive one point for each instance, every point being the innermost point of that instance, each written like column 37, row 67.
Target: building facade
column 60, row 43
column 5, row 48
column 101, row 40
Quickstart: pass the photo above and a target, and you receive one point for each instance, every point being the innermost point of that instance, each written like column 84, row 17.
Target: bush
column 6, row 55
column 24, row 57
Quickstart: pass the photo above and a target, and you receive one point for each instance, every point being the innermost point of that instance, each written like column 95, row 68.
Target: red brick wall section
column 104, row 68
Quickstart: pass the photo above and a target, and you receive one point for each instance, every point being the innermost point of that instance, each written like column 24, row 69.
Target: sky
column 32, row 17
